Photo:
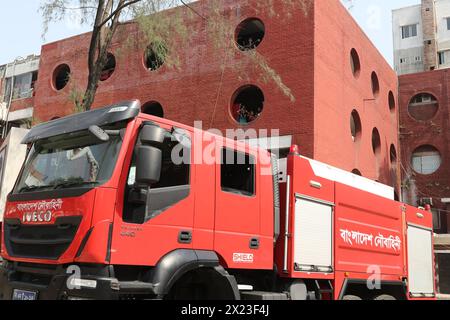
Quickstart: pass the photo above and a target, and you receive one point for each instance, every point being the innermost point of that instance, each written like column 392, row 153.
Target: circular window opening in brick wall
column 247, row 104
column 426, row 160
column 109, row 67
column 357, row 172
column 375, row 84
column 155, row 55
column 249, row 34
column 355, row 125
column 423, row 107
column 393, row 155
column 153, row 108
column 355, row 63
column 376, row 141
column 61, row 76
column 391, row 101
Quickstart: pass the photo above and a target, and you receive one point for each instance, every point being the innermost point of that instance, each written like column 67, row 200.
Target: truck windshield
column 69, row 161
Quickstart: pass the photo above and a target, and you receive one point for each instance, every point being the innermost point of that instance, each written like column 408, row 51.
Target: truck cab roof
column 122, row 111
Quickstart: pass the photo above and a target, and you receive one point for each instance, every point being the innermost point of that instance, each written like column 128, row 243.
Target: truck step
column 136, row 287
column 262, row 295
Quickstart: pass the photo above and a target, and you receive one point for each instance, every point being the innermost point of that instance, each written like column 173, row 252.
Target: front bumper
column 56, row 282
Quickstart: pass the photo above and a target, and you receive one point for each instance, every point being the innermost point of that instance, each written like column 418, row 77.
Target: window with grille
column 426, row 160
column 409, row 31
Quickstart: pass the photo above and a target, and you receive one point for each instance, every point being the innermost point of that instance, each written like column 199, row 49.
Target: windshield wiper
column 32, row 188
column 69, row 184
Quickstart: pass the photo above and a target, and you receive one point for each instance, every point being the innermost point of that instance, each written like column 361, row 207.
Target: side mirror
column 149, row 155
column 152, row 135
column 148, row 165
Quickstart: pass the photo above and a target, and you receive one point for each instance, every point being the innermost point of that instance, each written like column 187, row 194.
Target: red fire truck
column 116, row 204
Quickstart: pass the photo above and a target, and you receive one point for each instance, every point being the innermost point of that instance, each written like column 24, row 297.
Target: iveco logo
column 42, row 216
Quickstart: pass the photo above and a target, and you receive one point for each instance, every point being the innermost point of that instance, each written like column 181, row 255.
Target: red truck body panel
column 362, row 223
column 369, row 231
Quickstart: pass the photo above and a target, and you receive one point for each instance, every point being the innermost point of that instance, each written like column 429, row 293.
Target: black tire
column 351, row 297
column 384, row 297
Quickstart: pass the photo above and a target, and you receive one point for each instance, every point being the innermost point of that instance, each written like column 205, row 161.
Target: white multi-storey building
column 422, row 37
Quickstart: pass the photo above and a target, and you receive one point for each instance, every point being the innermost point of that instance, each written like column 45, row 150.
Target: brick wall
column 434, row 132
column 338, row 92
column 429, row 34
column 20, row 104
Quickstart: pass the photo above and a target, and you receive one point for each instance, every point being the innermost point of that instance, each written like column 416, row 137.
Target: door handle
column 254, row 243
column 185, row 237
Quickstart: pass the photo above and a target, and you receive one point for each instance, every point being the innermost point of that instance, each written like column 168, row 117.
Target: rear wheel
column 351, row 297
column 384, row 297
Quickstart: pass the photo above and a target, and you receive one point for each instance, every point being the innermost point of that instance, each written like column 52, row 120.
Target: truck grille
column 40, row 241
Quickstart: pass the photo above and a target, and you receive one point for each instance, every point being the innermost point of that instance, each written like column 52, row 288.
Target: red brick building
column 425, row 138
column 344, row 111
column 424, row 102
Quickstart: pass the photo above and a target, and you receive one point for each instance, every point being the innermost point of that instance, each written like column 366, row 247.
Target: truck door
column 149, row 226
column 237, row 224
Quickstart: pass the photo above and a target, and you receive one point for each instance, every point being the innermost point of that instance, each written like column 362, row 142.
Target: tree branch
column 119, row 8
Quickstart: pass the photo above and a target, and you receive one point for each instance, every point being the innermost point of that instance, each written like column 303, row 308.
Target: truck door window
column 173, row 187
column 237, row 173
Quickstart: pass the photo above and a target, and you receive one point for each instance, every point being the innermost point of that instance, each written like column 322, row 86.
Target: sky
column 21, row 26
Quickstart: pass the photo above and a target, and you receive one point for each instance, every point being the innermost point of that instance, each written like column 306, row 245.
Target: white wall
column 443, row 35
column 14, row 158
column 409, row 48
column 21, row 67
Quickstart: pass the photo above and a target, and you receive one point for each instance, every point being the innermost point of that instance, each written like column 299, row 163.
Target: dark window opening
column 247, row 105
column 375, row 84
column 155, row 55
column 237, row 173
column 393, row 155
column 441, row 56
column 423, row 107
column 153, row 108
column 34, row 78
column 376, row 141
column 61, row 76
column 109, row 67
column 391, row 100
column 355, row 125
column 357, row 172
column 249, row 34
column 355, row 62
